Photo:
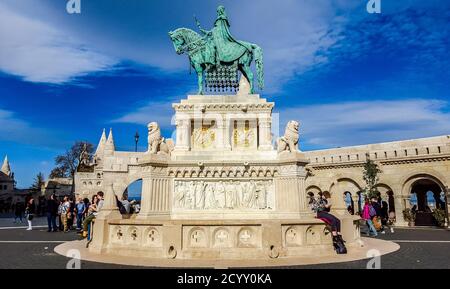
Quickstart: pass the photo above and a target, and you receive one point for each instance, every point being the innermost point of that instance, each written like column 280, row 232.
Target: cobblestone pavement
column 419, row 248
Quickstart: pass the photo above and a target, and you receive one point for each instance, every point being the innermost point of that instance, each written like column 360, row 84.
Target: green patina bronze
column 218, row 53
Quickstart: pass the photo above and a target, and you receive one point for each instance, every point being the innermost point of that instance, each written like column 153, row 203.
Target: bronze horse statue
column 203, row 55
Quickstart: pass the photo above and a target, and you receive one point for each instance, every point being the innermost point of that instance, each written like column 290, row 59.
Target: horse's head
column 178, row 40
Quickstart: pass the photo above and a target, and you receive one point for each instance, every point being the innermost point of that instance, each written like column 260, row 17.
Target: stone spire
column 101, row 144
column 110, row 146
column 6, row 168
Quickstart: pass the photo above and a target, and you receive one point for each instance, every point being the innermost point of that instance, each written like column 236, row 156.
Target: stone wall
column 402, row 163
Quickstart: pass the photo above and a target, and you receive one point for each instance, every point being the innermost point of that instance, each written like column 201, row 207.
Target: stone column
column 400, row 205
column 265, row 137
column 303, row 203
column 222, row 138
column 155, row 197
column 226, row 133
column 146, row 196
column 337, row 198
column 183, row 134
column 447, row 206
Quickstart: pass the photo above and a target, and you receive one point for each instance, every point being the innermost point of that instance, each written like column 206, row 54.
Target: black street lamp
column 136, row 139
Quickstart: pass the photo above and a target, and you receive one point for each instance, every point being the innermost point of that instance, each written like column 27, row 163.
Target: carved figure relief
column 203, row 136
column 234, row 194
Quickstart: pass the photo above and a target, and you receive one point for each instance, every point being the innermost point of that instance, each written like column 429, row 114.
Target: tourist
column 65, row 213
column 60, row 222
column 322, row 207
column 29, row 213
column 385, row 217
column 71, row 214
column 120, row 205
column 96, row 205
column 52, row 211
column 377, row 218
column 391, row 221
column 18, row 211
column 367, row 214
column 80, row 211
column 86, row 205
column 126, row 204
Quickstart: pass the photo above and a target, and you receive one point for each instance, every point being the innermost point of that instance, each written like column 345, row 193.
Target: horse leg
column 199, row 70
column 245, row 65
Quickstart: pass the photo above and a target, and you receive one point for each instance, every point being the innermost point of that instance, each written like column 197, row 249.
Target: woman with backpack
column 367, row 214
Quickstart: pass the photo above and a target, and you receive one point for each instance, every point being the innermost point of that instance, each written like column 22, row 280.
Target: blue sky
column 350, row 77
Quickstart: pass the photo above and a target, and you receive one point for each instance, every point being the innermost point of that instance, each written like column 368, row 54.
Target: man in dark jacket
column 52, row 211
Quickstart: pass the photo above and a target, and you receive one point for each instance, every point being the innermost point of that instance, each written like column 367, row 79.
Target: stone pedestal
column 223, row 192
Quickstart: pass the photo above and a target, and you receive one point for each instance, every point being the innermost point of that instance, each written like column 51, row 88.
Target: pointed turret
column 101, row 144
column 110, row 147
column 6, row 168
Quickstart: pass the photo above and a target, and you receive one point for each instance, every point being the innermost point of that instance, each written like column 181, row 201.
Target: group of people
column 375, row 213
column 377, row 216
column 70, row 213
column 67, row 214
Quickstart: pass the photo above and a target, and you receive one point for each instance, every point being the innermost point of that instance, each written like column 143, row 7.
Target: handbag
column 376, row 223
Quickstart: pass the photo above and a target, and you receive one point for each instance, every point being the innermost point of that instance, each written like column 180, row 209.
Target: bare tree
column 67, row 163
column 58, row 172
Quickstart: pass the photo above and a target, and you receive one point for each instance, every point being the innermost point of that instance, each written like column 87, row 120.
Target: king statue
column 218, row 48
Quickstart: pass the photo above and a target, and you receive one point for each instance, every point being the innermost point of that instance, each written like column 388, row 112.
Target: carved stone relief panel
column 229, row 195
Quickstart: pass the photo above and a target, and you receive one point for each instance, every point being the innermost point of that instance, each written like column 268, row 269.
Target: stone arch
column 313, row 189
column 421, row 184
column 387, row 194
column 339, row 189
column 409, row 180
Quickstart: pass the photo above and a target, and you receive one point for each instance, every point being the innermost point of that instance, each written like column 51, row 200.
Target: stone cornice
column 224, row 106
column 385, row 162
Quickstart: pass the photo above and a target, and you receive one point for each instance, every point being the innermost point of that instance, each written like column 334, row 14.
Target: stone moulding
column 226, row 239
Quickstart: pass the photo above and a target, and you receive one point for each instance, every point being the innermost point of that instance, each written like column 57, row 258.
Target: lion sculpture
column 156, row 143
column 289, row 142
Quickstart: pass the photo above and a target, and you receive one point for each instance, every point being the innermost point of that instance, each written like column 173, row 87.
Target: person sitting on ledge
column 322, row 208
column 94, row 208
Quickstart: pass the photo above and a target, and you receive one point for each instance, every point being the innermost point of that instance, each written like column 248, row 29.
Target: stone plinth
column 222, row 192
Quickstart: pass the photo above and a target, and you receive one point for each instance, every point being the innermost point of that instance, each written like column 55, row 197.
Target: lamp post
column 136, row 139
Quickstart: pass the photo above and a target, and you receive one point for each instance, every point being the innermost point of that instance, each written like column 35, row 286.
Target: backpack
column 372, row 211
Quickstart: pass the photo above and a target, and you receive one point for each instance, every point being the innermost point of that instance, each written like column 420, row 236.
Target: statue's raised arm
column 203, row 31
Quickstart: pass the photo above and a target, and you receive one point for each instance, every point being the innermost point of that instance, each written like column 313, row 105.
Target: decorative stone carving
column 289, row 142
column 204, row 137
column 222, row 238
column 292, row 237
column 133, row 235
column 117, row 234
column 234, row 194
column 197, row 238
column 246, row 237
column 156, row 143
column 244, row 137
column 153, row 237
column 313, row 235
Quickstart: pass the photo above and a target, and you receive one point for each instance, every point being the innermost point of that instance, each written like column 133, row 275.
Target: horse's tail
column 259, row 65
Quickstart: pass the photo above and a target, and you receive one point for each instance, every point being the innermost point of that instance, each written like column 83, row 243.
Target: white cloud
column 39, row 52
column 294, row 35
column 16, row 129
column 160, row 112
column 353, row 123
